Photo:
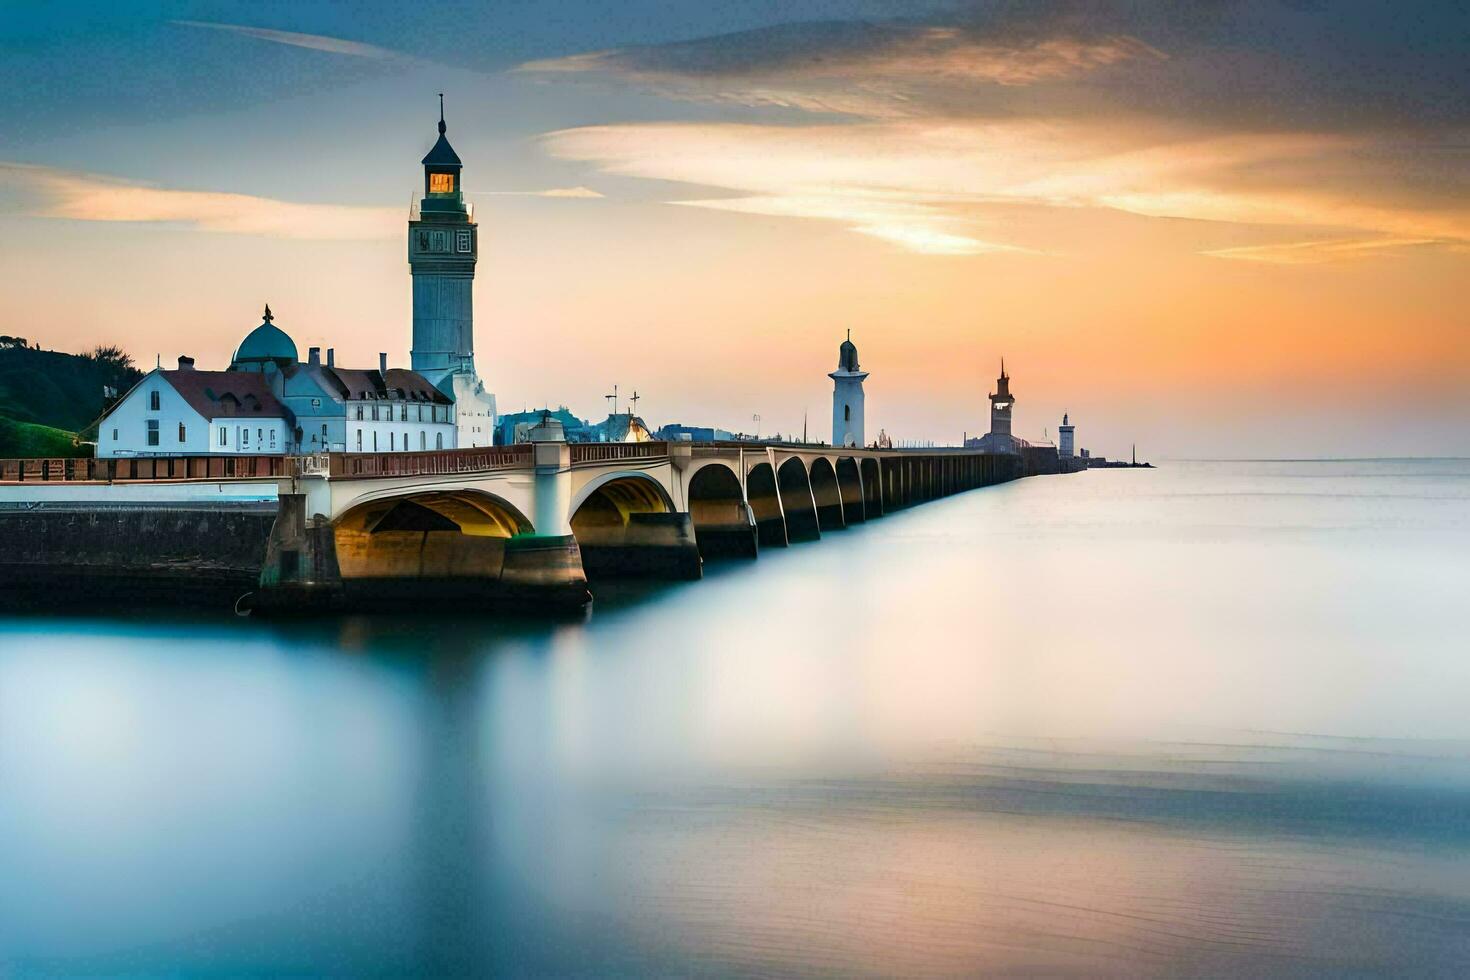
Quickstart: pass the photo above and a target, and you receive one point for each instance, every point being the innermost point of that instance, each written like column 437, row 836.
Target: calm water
column 1213, row 718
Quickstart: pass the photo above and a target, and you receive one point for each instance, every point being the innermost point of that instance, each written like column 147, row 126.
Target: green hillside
column 23, row 439
column 46, row 396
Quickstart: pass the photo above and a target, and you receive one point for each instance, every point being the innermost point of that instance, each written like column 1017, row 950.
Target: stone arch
column 797, row 502
column 850, row 483
column 626, row 524
column 441, row 535
column 872, row 488
column 722, row 522
column 602, row 511
column 764, row 497
column 827, row 495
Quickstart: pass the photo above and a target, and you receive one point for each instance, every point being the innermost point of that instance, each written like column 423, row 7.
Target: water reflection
column 1205, row 719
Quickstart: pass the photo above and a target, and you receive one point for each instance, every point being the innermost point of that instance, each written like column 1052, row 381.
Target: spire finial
column 268, row 316
column 442, row 127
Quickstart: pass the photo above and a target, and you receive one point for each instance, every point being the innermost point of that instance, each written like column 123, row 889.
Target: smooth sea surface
column 1210, row 719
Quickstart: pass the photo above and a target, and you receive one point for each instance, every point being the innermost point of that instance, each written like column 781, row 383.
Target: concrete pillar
column 300, row 572
column 546, row 565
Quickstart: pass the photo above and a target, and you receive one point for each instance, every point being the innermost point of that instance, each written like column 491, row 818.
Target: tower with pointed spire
column 1001, row 404
column 847, row 396
column 443, row 246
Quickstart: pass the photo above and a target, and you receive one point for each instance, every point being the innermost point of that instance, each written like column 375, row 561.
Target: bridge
column 530, row 522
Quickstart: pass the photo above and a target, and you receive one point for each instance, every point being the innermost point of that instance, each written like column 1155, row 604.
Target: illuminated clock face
column 441, row 183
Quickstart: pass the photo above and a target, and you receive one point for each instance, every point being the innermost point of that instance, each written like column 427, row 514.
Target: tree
column 8, row 341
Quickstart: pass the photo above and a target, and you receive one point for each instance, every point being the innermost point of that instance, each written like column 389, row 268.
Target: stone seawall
column 75, row 556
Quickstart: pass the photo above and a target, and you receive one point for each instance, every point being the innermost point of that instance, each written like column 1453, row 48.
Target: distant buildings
column 847, row 396
column 617, row 427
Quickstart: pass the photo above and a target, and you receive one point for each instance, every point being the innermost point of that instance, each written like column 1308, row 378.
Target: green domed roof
column 266, row 342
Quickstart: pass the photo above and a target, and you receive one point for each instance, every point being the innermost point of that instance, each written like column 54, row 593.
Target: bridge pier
column 300, row 570
column 660, row 546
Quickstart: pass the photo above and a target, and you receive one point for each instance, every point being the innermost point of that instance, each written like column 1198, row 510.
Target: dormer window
column 441, row 183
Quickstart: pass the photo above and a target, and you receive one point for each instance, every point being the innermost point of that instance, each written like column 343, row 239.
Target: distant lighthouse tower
column 847, row 396
column 443, row 245
column 1001, row 404
column 1064, row 449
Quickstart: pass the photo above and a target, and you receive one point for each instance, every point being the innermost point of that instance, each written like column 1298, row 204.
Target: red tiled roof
column 227, row 394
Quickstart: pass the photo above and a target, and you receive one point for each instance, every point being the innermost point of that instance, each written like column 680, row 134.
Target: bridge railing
column 441, row 462
column 599, row 452
column 143, row 469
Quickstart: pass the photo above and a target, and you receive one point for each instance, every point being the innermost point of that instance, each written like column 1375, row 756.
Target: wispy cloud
column 90, row 197
column 569, row 192
column 946, row 122
column 314, row 42
column 927, row 187
column 1318, row 252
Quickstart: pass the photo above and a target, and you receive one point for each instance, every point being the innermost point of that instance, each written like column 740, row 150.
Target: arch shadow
column 827, row 495
column 850, row 484
column 797, row 501
column 872, row 488
column 626, row 525
column 722, row 522
column 764, row 497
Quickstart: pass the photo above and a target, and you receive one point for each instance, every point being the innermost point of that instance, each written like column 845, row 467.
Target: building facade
column 1066, row 438
column 196, row 413
column 443, row 248
column 847, row 396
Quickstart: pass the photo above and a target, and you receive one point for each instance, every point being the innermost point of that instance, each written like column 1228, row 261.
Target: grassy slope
column 21, row 439
column 52, row 388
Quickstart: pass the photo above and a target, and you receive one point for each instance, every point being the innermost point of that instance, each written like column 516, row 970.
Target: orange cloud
column 89, row 197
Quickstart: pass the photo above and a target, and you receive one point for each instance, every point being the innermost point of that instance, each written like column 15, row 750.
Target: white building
column 1067, row 432
column 196, row 413
column 847, row 396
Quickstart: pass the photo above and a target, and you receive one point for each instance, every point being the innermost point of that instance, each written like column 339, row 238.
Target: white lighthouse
column 1066, row 430
column 847, row 396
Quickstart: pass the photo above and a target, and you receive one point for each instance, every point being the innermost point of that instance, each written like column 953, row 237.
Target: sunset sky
column 1216, row 229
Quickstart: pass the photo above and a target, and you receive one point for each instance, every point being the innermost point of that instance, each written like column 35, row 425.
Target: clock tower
column 443, row 245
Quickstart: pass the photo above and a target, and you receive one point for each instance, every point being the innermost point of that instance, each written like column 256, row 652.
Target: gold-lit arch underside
column 613, row 503
column 466, row 512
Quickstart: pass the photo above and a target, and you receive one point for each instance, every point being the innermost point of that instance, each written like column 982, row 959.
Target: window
column 423, row 441
column 462, row 241
column 421, row 413
column 405, row 442
column 359, row 440
column 375, row 413
column 259, row 441
column 403, row 412
column 847, row 413
column 391, row 440
column 153, row 430
column 244, row 438
column 181, row 432
column 441, row 183
column 324, row 433
column 359, row 413
column 375, row 440
column 438, row 440
column 114, row 435
column 222, row 435
column 273, row 438
column 153, row 400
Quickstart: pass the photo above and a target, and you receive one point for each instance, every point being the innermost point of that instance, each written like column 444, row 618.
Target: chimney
column 313, row 355
column 186, row 363
column 383, row 364
column 331, row 357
